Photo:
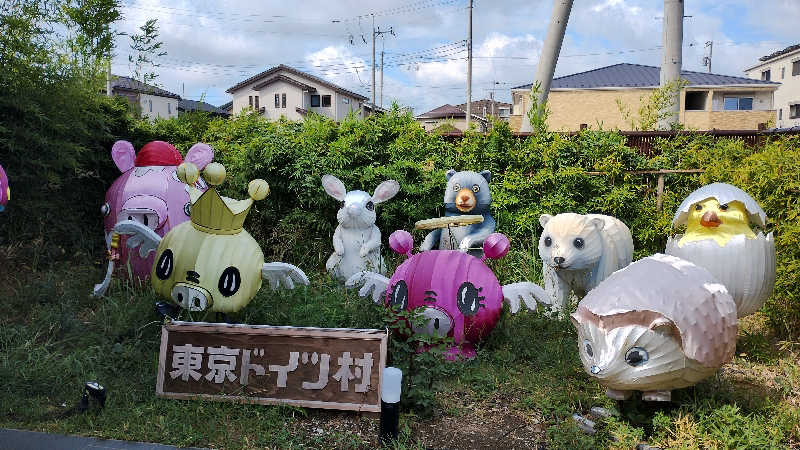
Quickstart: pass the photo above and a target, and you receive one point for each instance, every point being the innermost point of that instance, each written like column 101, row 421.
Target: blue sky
column 212, row 45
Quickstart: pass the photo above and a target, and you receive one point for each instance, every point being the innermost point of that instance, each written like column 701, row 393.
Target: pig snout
column 190, row 297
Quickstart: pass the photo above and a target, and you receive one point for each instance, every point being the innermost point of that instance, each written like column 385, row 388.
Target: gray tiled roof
column 299, row 73
column 194, row 105
column 786, row 50
column 636, row 75
column 447, row 111
column 129, row 84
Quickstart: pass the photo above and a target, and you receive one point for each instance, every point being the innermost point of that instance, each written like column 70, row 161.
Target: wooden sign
column 334, row 368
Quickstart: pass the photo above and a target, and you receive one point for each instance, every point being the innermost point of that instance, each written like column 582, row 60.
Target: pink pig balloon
column 149, row 192
column 5, row 191
column 458, row 293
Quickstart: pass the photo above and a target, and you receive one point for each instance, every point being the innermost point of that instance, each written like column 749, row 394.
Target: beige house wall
column 430, row 124
column 597, row 108
column 788, row 92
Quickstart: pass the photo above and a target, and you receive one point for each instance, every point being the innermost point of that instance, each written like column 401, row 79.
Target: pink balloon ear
column 200, row 155
column 495, row 246
column 401, row 242
column 123, row 154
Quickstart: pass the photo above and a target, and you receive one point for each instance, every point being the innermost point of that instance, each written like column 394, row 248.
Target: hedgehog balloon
column 662, row 323
column 719, row 238
column 458, row 293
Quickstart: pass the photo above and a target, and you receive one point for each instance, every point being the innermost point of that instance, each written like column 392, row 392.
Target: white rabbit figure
column 356, row 241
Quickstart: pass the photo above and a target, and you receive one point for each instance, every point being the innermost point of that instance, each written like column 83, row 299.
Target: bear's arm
column 480, row 231
column 431, row 240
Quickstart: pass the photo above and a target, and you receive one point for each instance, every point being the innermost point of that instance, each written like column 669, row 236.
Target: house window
column 169, row 108
column 780, row 113
column 314, row 100
column 326, row 101
column 283, row 100
column 277, row 100
column 250, row 100
column 796, row 68
column 150, row 102
column 696, row 101
column 783, row 72
column 765, row 75
column 256, row 99
column 794, row 111
column 738, row 103
column 345, row 100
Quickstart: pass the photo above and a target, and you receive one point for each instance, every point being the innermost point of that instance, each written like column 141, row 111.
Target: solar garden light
column 96, row 391
column 390, row 403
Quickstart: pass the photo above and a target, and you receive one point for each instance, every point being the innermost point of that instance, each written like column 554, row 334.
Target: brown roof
column 446, row 111
column 118, row 82
column 286, row 79
column 479, row 105
column 299, row 73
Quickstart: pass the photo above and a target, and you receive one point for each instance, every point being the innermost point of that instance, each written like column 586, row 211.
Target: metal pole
column 710, row 53
column 381, row 78
column 549, row 57
column 373, row 61
column 671, row 59
column 108, row 78
column 469, row 67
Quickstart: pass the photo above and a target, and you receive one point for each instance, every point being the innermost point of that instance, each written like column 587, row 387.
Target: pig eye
column 723, row 207
column 105, row 209
column 636, row 356
column 370, row 206
column 698, row 207
column 476, row 188
column 229, row 281
column 187, row 208
column 587, row 347
column 468, row 299
column 399, row 299
column 456, row 187
column 164, row 265
column 548, row 242
column 578, row 242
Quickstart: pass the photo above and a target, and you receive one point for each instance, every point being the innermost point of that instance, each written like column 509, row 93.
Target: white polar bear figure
column 579, row 251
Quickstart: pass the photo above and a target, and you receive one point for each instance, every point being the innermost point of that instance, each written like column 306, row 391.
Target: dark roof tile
column 129, row 84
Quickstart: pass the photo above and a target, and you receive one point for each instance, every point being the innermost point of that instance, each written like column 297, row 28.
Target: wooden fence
column 645, row 141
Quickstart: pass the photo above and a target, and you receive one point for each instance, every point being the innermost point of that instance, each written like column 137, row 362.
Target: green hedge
column 546, row 173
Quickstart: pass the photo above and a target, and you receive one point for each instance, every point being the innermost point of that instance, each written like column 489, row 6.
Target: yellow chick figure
column 708, row 219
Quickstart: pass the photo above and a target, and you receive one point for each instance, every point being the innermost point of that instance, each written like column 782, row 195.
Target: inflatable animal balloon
column 210, row 262
column 662, row 323
column 458, row 293
column 467, row 193
column 5, row 190
column 718, row 237
column 148, row 192
column 579, row 251
column 356, row 241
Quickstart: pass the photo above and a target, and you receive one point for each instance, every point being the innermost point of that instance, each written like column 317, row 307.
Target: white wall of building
column 788, row 92
column 296, row 97
column 154, row 106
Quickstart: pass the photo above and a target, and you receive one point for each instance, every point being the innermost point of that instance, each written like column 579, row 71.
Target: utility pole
column 381, row 78
column 376, row 33
column 707, row 59
column 549, row 57
column 108, row 78
column 672, row 57
column 469, row 66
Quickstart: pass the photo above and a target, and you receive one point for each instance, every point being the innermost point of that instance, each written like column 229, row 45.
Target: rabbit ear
column 385, row 191
column 334, row 187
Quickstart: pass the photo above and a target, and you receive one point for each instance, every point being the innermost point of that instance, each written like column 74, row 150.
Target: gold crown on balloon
column 212, row 213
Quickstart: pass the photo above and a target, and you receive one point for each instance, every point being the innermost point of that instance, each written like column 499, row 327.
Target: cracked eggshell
column 671, row 308
column 724, row 193
column 745, row 266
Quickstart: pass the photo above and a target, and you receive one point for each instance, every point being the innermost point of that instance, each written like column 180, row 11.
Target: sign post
column 332, row 368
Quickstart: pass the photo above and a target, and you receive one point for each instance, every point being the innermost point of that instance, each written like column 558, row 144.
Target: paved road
column 33, row 440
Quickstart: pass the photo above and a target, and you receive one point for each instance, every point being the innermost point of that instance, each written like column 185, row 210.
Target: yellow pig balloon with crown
column 210, row 262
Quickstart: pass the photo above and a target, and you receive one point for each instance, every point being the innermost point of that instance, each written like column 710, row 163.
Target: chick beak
column 710, row 220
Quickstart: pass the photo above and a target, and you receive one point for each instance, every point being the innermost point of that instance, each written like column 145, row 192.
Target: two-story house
column 151, row 101
column 283, row 91
column 782, row 66
column 596, row 97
